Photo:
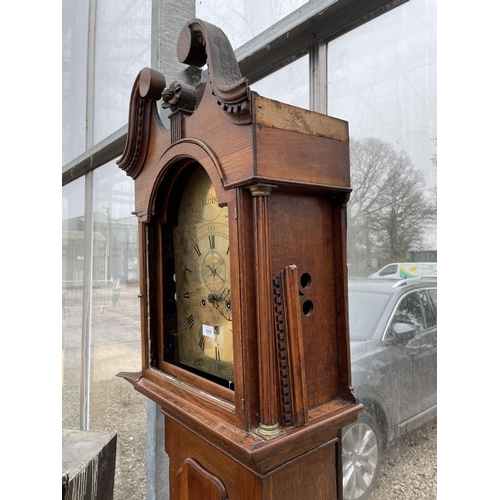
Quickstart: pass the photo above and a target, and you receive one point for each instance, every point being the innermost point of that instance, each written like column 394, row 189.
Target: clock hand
column 215, row 270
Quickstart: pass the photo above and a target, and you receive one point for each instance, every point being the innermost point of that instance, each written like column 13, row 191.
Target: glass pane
column 382, row 81
column 73, row 196
column 123, row 48
column 289, row 84
column 74, row 77
column 245, row 19
column 116, row 346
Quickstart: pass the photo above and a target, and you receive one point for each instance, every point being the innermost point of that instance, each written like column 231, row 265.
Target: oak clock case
column 241, row 206
column 197, row 287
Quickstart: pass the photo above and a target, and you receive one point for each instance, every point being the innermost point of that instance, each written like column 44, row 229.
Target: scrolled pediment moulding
column 199, row 43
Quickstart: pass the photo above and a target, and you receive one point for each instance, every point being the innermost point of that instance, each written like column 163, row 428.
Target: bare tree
column 388, row 210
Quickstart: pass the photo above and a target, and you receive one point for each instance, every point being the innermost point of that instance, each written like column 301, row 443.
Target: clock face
column 203, row 280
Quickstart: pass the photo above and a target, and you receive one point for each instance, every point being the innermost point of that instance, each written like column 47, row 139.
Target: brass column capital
column 261, row 189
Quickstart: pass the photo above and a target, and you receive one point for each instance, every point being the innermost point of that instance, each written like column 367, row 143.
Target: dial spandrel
column 202, row 276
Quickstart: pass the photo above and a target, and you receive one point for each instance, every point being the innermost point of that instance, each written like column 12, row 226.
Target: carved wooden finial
column 181, row 99
column 179, row 96
column 203, row 43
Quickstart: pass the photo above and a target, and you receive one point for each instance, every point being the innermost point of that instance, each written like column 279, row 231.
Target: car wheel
column 361, row 457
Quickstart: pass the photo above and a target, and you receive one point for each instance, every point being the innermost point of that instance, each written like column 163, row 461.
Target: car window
column 434, row 296
column 430, row 319
column 388, row 270
column 415, row 309
column 365, row 311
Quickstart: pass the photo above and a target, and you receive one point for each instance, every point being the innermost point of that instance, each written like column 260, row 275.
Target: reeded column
column 269, row 427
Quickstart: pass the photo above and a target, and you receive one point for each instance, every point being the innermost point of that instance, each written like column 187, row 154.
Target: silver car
column 393, row 328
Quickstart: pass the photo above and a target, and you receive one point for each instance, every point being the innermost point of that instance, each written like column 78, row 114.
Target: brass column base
column 269, row 432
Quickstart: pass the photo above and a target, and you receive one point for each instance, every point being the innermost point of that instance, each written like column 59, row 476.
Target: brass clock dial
column 203, row 280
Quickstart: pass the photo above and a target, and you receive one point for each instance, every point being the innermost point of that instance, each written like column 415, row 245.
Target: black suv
column 393, row 328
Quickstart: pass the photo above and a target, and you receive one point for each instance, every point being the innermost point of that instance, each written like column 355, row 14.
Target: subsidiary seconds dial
column 213, row 268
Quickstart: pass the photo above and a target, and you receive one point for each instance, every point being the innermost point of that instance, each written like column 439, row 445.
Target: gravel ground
column 409, row 469
column 408, row 472
column 114, row 406
column 128, row 420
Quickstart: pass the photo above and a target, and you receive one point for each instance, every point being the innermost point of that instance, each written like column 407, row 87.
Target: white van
column 402, row 270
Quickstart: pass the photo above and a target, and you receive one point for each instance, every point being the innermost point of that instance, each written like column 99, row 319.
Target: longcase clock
column 241, row 205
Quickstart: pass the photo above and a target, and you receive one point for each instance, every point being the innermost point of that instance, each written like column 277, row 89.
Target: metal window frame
column 290, row 38
column 85, row 356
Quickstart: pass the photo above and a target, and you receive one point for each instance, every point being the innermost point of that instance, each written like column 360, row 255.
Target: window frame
column 274, row 48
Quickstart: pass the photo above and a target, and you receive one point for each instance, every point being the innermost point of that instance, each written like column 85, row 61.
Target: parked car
column 393, row 328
